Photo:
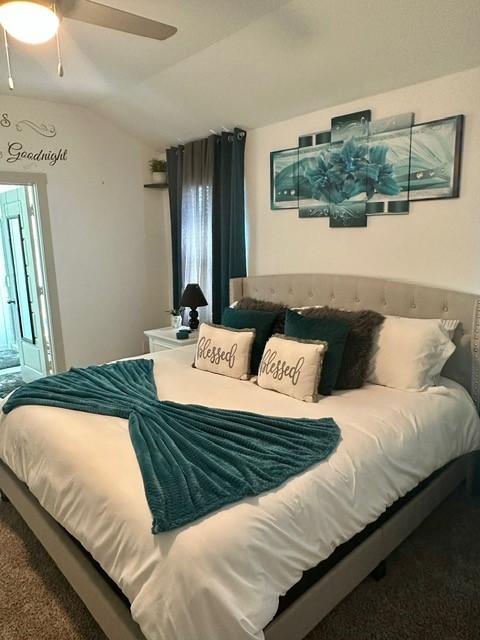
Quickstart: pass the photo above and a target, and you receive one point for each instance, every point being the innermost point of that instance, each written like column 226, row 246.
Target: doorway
column 26, row 343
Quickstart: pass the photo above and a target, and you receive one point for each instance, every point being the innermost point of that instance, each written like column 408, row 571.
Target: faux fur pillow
column 359, row 345
column 252, row 304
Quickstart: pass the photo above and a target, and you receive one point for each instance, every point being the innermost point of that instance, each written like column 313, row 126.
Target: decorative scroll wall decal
column 15, row 151
column 46, row 130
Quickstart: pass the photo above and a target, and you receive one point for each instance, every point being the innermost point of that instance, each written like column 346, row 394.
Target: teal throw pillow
column 261, row 321
column 334, row 332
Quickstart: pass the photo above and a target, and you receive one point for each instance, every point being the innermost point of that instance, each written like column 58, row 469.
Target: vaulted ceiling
column 247, row 62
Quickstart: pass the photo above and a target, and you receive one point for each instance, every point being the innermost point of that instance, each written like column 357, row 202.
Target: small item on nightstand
column 176, row 317
column 183, row 334
column 193, row 297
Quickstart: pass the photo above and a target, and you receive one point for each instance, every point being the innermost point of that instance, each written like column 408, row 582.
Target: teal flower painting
column 354, row 168
column 361, row 167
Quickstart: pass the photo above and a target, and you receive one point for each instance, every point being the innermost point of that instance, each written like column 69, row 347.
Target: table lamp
column 193, row 297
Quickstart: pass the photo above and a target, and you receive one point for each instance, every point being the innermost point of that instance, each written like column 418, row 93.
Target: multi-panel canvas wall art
column 362, row 168
column 284, row 179
column 435, row 159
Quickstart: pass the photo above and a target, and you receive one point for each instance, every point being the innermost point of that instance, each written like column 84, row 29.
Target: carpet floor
column 9, row 358
column 9, row 382
column 431, row 590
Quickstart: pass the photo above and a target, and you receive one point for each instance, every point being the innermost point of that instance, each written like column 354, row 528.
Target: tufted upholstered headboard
column 388, row 297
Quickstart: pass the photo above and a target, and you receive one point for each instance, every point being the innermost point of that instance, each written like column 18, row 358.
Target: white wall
column 108, row 231
column 437, row 243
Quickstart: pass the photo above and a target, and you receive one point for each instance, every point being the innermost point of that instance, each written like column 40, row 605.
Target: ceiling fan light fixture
column 30, row 22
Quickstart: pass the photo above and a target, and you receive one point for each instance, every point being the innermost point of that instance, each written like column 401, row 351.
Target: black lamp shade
column 193, row 297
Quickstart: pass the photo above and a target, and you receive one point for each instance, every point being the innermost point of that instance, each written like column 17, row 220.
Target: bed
column 75, row 480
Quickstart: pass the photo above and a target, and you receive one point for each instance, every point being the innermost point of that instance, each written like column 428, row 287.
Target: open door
column 22, row 281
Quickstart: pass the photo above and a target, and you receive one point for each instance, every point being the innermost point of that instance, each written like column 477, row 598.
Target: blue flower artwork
column 364, row 168
column 374, row 170
column 354, row 168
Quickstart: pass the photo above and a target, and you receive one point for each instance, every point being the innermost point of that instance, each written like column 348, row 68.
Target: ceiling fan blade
column 103, row 16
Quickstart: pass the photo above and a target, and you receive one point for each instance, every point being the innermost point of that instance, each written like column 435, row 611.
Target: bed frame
column 108, row 605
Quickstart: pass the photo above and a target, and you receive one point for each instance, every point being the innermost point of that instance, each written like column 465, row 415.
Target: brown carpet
column 431, row 590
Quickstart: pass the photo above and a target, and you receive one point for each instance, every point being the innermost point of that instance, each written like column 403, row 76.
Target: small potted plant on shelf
column 159, row 170
column 176, row 317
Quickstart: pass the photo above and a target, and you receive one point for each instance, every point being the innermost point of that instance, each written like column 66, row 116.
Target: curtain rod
column 240, row 135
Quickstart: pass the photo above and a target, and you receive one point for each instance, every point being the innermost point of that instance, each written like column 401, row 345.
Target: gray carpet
column 9, row 358
column 9, row 382
column 431, row 590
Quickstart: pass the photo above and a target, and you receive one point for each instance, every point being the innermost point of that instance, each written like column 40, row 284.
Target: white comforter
column 220, row 578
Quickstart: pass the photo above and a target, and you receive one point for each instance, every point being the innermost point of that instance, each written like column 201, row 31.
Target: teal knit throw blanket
column 193, row 459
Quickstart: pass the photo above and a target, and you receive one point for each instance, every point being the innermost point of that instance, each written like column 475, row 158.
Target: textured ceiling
column 247, row 62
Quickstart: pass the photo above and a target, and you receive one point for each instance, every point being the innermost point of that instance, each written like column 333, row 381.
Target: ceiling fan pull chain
column 11, row 85
column 59, row 52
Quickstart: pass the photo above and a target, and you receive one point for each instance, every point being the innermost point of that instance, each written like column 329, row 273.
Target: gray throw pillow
column 359, row 345
column 252, row 304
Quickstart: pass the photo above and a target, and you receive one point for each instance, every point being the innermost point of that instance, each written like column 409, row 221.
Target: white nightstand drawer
column 166, row 338
column 154, row 345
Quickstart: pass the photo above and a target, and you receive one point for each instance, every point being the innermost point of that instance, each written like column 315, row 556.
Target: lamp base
column 193, row 322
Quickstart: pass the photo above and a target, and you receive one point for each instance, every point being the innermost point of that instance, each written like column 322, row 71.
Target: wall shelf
column 156, row 185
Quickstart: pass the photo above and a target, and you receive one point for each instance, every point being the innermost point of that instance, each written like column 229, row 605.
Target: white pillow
column 224, row 351
column 410, row 353
column 292, row 366
column 450, row 326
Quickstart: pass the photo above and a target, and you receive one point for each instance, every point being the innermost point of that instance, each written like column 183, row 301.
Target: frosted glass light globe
column 29, row 22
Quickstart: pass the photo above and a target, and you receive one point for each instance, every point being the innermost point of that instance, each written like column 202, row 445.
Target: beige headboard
column 388, row 297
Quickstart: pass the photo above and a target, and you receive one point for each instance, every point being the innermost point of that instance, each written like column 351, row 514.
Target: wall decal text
column 17, row 152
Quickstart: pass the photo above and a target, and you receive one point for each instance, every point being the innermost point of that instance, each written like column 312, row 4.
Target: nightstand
column 166, row 338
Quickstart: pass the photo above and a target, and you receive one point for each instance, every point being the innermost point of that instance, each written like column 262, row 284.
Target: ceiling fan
column 37, row 21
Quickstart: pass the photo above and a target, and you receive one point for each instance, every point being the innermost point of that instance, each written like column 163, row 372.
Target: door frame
column 39, row 181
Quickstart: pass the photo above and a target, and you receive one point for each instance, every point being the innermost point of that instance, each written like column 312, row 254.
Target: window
column 197, row 241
